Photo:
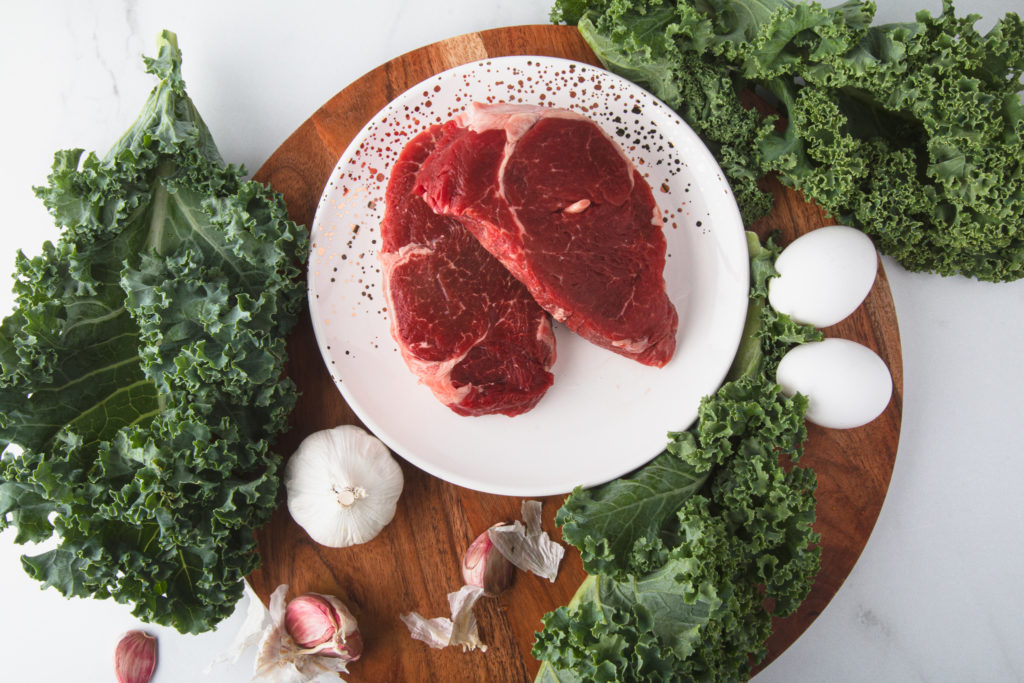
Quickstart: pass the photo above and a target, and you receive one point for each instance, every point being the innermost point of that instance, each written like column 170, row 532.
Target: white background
column 937, row 594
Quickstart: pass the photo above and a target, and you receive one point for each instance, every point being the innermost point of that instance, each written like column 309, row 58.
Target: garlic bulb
column 279, row 659
column 342, row 486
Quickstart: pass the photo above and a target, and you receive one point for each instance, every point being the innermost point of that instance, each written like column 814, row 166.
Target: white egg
column 824, row 275
column 846, row 384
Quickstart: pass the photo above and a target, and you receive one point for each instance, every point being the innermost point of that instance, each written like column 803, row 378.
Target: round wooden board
column 414, row 563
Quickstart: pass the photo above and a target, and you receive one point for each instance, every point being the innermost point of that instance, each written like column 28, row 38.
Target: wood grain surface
column 414, row 563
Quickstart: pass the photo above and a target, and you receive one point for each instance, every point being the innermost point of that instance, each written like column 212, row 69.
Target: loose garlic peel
column 342, row 486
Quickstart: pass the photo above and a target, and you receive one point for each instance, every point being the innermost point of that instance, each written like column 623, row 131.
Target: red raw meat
column 468, row 329
column 556, row 200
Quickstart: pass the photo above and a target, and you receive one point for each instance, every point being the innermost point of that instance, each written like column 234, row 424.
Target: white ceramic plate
column 605, row 415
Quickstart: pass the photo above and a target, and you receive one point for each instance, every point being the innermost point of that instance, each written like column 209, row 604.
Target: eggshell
column 847, row 384
column 824, row 275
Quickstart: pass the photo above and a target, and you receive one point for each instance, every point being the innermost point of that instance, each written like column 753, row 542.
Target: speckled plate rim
column 605, row 415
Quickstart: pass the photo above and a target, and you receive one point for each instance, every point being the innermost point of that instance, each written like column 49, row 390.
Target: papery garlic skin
column 342, row 486
column 528, row 546
column 249, row 633
column 436, row 632
column 135, row 657
column 461, row 629
column 465, row 632
column 323, row 625
column 485, row 567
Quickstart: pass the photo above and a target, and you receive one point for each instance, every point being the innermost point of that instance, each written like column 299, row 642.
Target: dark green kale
column 912, row 132
column 142, row 370
column 682, row 554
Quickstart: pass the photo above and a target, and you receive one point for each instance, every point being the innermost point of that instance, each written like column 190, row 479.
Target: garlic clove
column 310, row 621
column 485, row 567
column 135, row 657
column 323, row 625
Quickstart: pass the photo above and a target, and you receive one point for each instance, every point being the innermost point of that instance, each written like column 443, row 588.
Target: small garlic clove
column 485, row 567
column 323, row 625
column 310, row 621
column 135, row 657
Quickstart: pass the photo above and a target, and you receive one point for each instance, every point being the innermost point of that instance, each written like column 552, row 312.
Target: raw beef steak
column 559, row 204
column 468, row 329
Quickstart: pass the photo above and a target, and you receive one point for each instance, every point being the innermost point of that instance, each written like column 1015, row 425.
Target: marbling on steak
column 556, row 200
column 468, row 329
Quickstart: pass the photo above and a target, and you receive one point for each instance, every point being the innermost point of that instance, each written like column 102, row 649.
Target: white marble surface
column 937, row 594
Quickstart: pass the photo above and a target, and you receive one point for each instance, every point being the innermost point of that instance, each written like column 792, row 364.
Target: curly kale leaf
column 627, row 526
column 912, row 132
column 142, row 369
column 682, row 553
column 915, row 133
column 651, row 44
column 696, row 610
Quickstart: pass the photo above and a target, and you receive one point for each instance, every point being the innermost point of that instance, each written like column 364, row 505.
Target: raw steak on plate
column 468, row 329
column 556, row 200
